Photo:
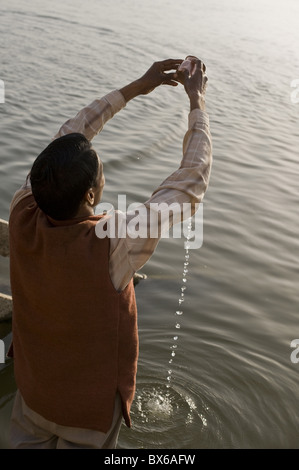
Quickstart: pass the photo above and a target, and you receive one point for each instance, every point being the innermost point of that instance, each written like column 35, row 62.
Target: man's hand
column 195, row 85
column 158, row 74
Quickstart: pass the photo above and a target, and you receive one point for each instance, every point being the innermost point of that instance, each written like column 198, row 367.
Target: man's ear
column 89, row 197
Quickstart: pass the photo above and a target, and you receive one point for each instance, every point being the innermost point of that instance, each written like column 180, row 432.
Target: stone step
column 4, row 242
column 5, row 307
column 5, row 300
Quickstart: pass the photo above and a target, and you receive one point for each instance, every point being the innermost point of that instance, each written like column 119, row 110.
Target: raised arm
column 91, row 119
column 187, row 184
column 190, row 181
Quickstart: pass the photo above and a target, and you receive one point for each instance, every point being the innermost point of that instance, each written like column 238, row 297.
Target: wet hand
column 195, row 83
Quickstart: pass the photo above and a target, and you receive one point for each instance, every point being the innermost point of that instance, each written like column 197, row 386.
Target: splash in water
column 160, row 408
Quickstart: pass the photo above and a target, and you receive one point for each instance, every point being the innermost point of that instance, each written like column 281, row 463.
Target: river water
column 224, row 377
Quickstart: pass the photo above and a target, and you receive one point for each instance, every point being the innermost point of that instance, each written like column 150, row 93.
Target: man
column 75, row 338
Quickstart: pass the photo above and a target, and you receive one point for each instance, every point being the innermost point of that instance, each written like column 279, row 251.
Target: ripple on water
column 166, row 416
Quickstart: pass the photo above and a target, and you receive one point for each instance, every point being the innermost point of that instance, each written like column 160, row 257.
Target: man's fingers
column 169, row 82
column 200, row 69
column 181, row 75
column 169, row 79
column 178, row 76
column 170, row 64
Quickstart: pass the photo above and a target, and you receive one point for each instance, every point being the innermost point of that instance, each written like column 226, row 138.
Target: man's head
column 67, row 176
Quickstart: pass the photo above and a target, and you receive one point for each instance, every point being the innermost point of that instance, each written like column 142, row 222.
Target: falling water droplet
column 181, row 298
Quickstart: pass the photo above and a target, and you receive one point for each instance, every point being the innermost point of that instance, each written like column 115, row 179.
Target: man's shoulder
column 19, row 196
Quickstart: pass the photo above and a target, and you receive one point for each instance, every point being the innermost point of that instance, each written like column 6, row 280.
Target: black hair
column 61, row 175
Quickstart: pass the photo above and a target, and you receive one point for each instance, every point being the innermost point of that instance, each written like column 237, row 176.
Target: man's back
column 78, row 344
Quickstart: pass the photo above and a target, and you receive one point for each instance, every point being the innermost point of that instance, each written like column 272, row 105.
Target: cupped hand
column 195, row 83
